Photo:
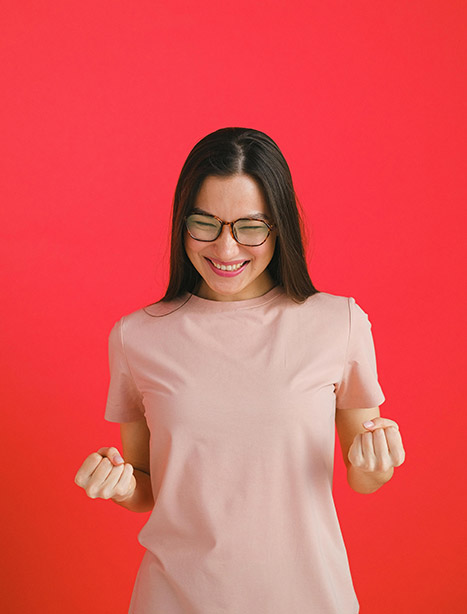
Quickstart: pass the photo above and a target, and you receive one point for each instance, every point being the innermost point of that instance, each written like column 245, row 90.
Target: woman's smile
column 231, row 271
column 231, row 268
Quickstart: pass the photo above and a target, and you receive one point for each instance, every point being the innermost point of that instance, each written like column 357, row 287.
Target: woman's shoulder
column 151, row 312
column 324, row 307
column 326, row 301
column 335, row 307
column 164, row 308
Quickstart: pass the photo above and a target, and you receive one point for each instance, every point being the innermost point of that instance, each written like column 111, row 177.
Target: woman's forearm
column 142, row 499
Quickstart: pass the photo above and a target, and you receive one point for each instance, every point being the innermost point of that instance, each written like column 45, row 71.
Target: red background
column 103, row 102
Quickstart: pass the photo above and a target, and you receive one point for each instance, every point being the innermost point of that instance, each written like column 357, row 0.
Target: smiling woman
column 230, row 174
column 231, row 270
column 229, row 391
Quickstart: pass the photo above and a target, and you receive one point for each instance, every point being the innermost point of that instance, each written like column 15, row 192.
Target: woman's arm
column 106, row 475
column 135, row 449
column 370, row 453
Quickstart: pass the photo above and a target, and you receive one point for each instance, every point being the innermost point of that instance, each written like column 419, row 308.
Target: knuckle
column 121, row 491
column 383, row 466
column 92, row 492
column 400, row 458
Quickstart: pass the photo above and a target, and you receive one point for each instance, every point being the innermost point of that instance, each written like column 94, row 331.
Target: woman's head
column 230, row 173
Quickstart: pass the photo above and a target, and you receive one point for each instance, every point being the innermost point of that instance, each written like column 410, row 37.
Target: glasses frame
column 231, row 224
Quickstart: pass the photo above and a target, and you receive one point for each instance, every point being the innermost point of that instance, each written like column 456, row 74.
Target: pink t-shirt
column 240, row 400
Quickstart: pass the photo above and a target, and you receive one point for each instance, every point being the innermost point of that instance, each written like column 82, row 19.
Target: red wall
column 103, row 102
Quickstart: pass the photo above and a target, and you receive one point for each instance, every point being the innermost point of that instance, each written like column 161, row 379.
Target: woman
column 228, row 391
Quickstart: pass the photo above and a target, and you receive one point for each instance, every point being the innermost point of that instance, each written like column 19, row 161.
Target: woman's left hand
column 379, row 448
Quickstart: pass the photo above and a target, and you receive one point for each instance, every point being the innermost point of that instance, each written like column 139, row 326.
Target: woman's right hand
column 105, row 475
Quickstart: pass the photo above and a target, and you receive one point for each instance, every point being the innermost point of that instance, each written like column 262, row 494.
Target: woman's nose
column 225, row 242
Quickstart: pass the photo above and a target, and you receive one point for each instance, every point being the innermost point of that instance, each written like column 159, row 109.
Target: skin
column 231, row 198
column 370, row 452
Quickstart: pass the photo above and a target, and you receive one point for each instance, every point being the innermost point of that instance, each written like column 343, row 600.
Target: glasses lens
column 250, row 232
column 202, row 227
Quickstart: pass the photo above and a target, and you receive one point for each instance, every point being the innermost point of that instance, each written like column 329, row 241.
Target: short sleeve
column 359, row 386
column 124, row 401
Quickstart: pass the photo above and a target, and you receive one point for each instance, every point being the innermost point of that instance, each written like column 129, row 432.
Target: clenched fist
column 105, row 475
column 379, row 448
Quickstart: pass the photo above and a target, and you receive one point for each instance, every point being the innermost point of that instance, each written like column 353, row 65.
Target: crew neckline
column 212, row 305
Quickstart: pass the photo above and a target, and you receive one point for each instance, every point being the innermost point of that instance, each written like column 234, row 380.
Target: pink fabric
column 240, row 400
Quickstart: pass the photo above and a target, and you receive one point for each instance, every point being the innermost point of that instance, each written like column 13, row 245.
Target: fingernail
column 368, row 424
column 117, row 459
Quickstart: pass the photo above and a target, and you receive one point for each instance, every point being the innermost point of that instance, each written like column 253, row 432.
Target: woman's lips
column 226, row 263
column 228, row 273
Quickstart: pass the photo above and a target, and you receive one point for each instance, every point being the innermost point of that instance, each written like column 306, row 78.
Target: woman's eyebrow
column 255, row 214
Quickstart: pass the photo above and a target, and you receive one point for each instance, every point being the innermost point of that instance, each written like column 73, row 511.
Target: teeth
column 229, row 267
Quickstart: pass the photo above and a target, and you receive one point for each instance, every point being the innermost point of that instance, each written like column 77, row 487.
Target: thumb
column 112, row 454
column 380, row 422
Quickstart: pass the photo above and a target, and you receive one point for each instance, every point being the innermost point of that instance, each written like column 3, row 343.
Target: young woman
column 228, row 391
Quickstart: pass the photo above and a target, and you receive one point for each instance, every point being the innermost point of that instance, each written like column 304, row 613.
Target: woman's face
column 231, row 198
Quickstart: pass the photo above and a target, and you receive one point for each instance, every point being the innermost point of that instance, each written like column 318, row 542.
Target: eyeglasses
column 246, row 231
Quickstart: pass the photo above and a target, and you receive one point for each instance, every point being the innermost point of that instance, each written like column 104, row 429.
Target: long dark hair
column 233, row 151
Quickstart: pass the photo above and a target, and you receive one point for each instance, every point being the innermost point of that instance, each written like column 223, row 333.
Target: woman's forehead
column 238, row 195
